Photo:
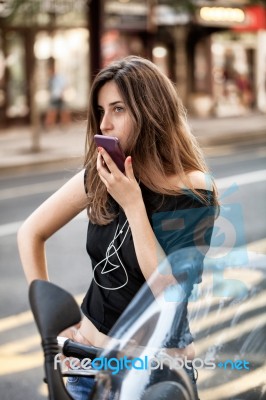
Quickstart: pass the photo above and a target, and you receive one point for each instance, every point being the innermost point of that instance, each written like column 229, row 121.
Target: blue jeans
column 80, row 388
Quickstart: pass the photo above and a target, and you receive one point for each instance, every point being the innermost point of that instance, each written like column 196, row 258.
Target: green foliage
column 33, row 12
column 16, row 11
column 39, row 12
column 180, row 5
column 258, row 2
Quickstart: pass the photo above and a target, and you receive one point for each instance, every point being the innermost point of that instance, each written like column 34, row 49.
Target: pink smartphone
column 111, row 145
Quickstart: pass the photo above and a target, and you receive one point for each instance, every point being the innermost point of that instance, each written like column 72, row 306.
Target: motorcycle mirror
column 54, row 310
column 52, row 319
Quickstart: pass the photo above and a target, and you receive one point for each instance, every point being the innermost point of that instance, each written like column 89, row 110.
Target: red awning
column 255, row 19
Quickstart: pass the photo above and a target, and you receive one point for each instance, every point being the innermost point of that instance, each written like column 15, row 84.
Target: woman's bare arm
column 53, row 214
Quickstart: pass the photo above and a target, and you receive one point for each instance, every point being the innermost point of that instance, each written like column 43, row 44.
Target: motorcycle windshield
column 215, row 300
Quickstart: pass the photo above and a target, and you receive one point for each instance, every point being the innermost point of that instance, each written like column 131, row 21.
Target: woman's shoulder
column 200, row 180
column 181, row 194
column 197, row 180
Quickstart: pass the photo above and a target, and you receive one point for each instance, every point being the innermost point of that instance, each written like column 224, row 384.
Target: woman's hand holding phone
column 124, row 188
column 112, row 146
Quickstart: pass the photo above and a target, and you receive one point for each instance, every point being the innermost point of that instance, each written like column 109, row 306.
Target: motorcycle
column 221, row 295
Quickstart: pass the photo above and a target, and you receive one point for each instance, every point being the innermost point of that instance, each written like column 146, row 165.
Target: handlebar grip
column 78, row 350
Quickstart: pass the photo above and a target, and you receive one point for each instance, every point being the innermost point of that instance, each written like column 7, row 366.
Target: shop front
column 13, row 76
column 69, row 48
column 228, row 56
column 233, row 73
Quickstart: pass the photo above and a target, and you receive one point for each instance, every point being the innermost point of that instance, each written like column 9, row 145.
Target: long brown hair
column 162, row 144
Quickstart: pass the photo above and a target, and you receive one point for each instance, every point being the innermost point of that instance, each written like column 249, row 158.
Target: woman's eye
column 119, row 109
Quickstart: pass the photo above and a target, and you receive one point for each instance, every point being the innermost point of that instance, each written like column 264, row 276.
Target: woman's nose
column 106, row 123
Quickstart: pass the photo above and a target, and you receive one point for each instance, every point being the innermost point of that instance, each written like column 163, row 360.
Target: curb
column 36, row 165
column 38, row 161
column 229, row 139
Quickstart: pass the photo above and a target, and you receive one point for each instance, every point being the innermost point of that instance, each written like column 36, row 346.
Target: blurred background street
column 215, row 52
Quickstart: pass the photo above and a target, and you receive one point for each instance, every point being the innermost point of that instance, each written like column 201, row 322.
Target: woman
column 164, row 171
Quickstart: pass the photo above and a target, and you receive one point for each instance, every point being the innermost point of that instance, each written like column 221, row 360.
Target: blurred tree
column 38, row 12
column 29, row 10
column 11, row 14
column 95, row 23
column 32, row 14
column 258, row 2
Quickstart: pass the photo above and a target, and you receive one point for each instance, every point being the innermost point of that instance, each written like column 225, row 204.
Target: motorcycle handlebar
column 73, row 349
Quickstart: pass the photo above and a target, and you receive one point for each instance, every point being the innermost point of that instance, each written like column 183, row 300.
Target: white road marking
column 26, row 317
column 12, row 227
column 9, row 229
column 21, row 354
column 241, row 179
column 29, row 190
column 235, row 387
column 46, row 187
column 36, row 188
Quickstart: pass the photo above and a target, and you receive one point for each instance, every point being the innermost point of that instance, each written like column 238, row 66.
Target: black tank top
column 117, row 276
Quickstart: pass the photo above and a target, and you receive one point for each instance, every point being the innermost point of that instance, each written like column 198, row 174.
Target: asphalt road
column 240, row 175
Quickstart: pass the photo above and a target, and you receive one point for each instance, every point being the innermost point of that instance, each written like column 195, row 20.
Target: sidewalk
column 59, row 146
column 229, row 130
column 65, row 145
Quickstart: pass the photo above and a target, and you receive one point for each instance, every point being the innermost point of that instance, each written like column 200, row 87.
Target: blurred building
column 31, row 34
column 215, row 51
column 227, row 59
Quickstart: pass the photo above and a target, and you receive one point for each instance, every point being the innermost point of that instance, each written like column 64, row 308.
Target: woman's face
column 115, row 118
